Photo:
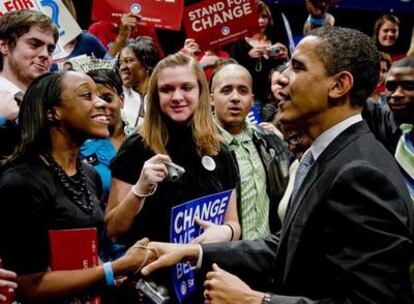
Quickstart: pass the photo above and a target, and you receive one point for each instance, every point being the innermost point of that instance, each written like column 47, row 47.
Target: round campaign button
column 183, row 288
column 135, row 8
column 208, row 163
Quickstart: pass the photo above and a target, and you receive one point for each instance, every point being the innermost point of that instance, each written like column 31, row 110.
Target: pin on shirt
column 208, row 163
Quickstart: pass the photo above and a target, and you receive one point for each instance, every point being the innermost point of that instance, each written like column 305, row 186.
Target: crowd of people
column 321, row 187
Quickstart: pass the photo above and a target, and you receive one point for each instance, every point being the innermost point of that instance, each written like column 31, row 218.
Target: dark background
column 359, row 14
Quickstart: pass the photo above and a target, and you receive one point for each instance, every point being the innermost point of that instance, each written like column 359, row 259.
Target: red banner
column 165, row 14
column 213, row 23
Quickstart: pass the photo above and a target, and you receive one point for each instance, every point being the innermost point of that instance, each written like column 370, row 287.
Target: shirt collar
column 323, row 140
column 11, row 87
column 245, row 135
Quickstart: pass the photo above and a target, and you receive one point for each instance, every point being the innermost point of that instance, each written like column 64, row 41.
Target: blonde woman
column 178, row 127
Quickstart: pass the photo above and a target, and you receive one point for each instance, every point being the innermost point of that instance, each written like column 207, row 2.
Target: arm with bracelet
column 126, row 200
column 44, row 286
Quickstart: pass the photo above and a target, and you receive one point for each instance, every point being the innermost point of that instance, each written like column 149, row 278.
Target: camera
column 152, row 293
column 273, row 51
column 174, row 171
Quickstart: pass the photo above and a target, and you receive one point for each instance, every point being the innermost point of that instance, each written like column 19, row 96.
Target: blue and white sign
column 210, row 208
column 253, row 117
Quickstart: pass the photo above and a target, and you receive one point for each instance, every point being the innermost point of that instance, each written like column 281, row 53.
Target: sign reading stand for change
column 164, row 14
column 215, row 23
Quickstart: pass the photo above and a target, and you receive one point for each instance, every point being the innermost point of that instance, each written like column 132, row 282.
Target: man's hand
column 170, row 254
column 221, row 287
column 212, row 232
column 8, row 106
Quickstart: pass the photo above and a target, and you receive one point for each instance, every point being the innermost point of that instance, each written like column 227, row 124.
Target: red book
column 72, row 249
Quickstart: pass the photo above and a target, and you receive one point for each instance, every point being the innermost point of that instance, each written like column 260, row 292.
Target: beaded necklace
column 74, row 188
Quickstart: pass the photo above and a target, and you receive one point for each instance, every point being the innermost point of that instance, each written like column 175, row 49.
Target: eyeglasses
column 407, row 85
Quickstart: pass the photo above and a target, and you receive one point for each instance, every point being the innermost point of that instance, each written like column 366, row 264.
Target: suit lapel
column 335, row 147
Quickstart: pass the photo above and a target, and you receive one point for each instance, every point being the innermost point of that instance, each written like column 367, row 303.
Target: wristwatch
column 266, row 298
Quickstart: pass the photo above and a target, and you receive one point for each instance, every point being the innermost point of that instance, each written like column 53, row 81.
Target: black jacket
column 276, row 160
column 347, row 239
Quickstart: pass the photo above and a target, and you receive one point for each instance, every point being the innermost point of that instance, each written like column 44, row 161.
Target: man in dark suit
column 348, row 233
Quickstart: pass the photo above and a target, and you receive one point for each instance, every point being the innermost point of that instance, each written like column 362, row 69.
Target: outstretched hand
column 222, row 287
column 137, row 256
column 169, row 254
column 212, row 232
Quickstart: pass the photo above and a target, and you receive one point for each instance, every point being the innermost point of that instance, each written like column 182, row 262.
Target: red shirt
column 107, row 32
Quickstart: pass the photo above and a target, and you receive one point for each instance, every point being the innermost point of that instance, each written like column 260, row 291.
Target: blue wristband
column 3, row 121
column 109, row 274
column 317, row 21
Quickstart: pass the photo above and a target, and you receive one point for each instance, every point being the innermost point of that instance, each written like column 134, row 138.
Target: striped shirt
column 254, row 198
column 404, row 154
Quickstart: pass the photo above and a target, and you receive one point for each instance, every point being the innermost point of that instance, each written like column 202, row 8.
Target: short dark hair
column 15, row 24
column 407, row 62
column 345, row 49
column 107, row 78
column 145, row 50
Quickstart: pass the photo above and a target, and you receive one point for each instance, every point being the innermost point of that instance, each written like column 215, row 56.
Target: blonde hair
column 262, row 8
column 154, row 130
column 410, row 52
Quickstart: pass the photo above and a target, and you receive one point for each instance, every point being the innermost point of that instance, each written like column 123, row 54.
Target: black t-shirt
column 32, row 201
column 154, row 219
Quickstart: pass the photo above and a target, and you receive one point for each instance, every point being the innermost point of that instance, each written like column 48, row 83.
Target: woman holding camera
column 257, row 54
column 178, row 127
column 45, row 186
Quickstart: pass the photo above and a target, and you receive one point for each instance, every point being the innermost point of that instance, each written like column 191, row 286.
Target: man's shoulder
column 7, row 85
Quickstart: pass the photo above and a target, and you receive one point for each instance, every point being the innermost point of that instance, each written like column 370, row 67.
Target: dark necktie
column 304, row 166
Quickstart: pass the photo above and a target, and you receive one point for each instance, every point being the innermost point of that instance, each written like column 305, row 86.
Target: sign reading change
column 215, row 23
column 210, row 208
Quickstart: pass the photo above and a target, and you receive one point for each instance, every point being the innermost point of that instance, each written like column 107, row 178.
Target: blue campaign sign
column 210, row 208
column 253, row 117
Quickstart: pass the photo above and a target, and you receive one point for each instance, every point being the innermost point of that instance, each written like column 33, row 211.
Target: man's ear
column 4, row 47
column 342, row 85
column 211, row 99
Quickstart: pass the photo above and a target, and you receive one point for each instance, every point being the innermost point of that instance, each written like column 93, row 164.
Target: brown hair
column 154, row 130
column 262, row 8
column 386, row 58
column 380, row 22
column 15, row 24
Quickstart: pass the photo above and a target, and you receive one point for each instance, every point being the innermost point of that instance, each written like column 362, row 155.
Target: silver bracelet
column 137, row 194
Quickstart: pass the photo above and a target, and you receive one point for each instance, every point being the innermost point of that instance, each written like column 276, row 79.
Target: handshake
column 145, row 257
column 219, row 286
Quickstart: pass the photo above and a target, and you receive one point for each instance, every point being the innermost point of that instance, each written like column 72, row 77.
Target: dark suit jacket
column 347, row 239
